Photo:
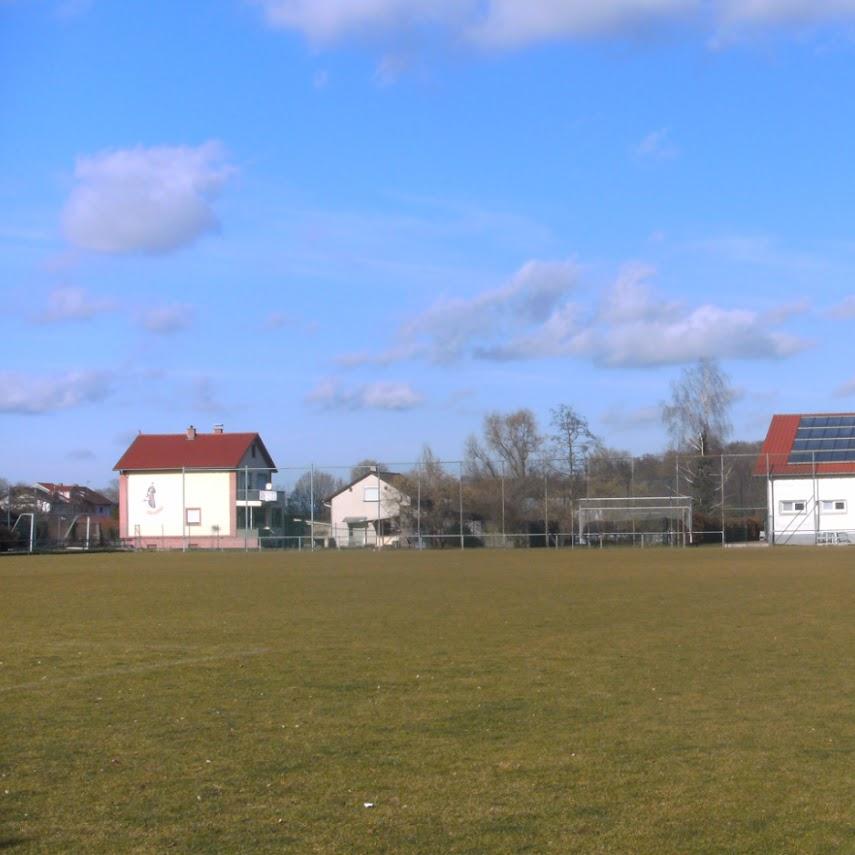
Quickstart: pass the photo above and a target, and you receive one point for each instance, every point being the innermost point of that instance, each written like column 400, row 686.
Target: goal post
column 635, row 520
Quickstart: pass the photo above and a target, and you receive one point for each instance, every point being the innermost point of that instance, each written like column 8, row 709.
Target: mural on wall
column 150, row 501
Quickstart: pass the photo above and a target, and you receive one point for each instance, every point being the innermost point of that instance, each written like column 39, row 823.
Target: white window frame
column 371, row 494
column 829, row 506
column 789, row 507
column 193, row 516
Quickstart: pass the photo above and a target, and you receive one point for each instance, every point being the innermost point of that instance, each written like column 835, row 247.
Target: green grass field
column 665, row 701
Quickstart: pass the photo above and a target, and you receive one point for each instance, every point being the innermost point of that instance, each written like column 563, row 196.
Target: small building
column 197, row 490
column 808, row 461
column 367, row 511
column 74, row 513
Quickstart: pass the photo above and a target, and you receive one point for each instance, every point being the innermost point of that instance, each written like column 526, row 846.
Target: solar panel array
column 824, row 439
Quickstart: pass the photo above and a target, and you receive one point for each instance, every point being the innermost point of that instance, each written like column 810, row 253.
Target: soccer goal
column 635, row 520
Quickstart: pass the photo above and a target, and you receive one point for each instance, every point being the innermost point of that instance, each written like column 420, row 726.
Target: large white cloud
column 32, row 394
column 515, row 23
column 149, row 200
column 378, row 395
column 449, row 328
column 629, row 325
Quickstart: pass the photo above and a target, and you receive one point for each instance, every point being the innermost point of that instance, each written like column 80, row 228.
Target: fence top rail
column 632, row 499
column 685, row 507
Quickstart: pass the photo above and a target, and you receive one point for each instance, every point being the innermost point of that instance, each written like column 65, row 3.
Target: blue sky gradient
column 357, row 231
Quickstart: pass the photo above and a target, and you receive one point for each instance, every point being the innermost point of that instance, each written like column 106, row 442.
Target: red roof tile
column 779, row 443
column 205, row 451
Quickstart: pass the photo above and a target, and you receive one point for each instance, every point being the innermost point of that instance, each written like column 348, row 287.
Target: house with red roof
column 196, row 490
column 808, row 460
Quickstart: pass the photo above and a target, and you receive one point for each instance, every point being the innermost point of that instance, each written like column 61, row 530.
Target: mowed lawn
column 614, row 701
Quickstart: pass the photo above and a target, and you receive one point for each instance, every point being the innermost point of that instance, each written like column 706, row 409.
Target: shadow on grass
column 12, row 842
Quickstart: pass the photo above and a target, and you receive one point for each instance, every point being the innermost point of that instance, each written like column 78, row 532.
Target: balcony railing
column 263, row 496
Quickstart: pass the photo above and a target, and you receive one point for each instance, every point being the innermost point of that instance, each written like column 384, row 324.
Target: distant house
column 808, row 461
column 66, row 513
column 196, row 490
column 367, row 511
column 81, row 499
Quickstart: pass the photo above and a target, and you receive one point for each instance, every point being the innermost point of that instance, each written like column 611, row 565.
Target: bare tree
column 698, row 420
column 513, row 438
column 698, row 415
column 573, row 440
column 304, row 492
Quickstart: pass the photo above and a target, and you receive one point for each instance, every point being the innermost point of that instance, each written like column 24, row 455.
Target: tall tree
column 512, row 438
column 698, row 414
column 573, row 439
column 698, row 420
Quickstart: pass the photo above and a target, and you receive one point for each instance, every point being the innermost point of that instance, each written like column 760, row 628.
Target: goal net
column 635, row 520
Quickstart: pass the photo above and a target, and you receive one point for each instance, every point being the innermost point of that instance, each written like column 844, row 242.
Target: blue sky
column 356, row 227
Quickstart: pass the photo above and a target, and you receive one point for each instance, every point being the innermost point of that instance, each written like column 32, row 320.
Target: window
column 833, row 506
column 193, row 516
column 372, row 494
column 793, row 507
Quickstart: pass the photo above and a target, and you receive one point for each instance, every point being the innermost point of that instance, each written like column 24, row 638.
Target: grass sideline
column 615, row 701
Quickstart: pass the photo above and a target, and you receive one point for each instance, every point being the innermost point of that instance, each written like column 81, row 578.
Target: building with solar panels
column 808, row 461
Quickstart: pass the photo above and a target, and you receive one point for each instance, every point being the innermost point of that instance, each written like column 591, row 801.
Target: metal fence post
column 545, row 507
column 183, row 512
column 770, row 504
column 460, row 499
column 502, row 476
column 721, row 466
column 312, row 505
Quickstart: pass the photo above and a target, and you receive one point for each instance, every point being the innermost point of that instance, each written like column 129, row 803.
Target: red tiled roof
column 205, row 451
column 779, row 443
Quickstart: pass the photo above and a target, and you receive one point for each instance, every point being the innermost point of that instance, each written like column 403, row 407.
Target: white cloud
column 149, row 200
column 657, row 145
column 329, row 20
column 844, row 310
column 164, row 320
column 630, row 325
column 509, row 24
column 777, row 12
column 445, row 331
column 379, row 395
column 33, row 394
column 706, row 331
column 68, row 303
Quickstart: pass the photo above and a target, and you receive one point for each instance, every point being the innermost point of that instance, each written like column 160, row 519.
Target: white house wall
column 800, row 527
column 351, row 503
column 157, row 503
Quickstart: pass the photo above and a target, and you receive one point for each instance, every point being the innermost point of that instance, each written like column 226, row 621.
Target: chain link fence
column 668, row 499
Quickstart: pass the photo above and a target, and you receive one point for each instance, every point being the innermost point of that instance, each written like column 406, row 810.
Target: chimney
column 191, row 432
column 218, row 428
